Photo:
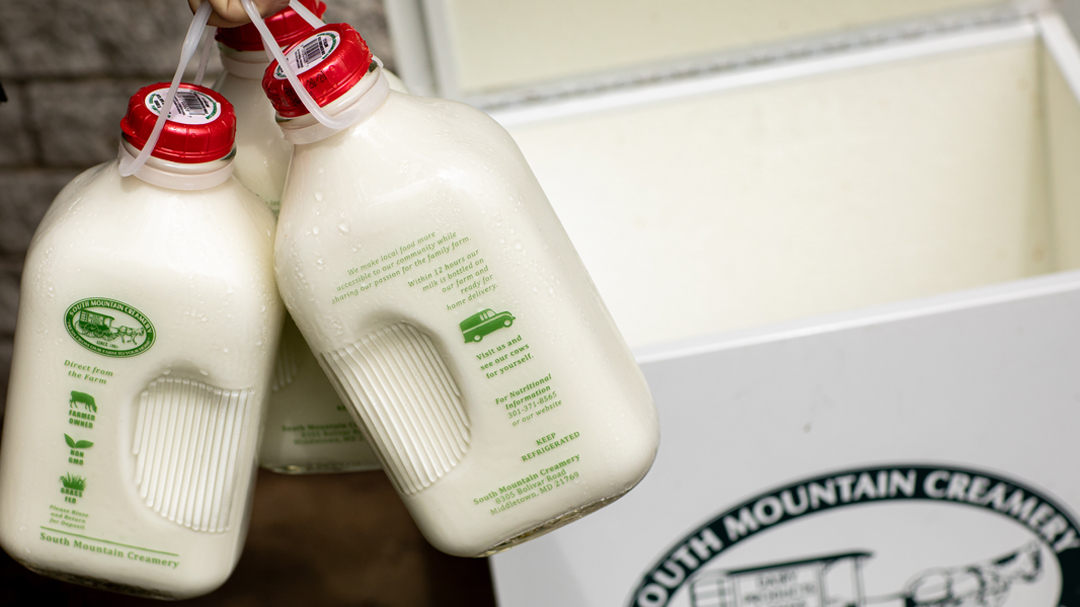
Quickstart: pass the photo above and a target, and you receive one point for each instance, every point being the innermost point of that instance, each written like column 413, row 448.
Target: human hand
column 230, row 13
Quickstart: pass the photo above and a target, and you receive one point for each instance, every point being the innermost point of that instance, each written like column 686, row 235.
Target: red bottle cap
column 287, row 27
column 328, row 62
column 201, row 126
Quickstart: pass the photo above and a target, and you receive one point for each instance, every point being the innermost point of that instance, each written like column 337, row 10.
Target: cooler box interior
column 843, row 268
column 818, row 185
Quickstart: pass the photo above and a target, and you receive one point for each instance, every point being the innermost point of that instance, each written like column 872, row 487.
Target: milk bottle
column 147, row 326
column 262, row 154
column 308, row 428
column 262, row 158
column 428, row 272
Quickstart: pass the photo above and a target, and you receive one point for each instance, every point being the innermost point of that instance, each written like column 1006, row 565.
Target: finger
column 231, row 13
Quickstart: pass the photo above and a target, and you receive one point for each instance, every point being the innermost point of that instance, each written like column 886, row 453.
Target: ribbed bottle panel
column 188, row 436
column 284, row 366
column 288, row 354
column 403, row 392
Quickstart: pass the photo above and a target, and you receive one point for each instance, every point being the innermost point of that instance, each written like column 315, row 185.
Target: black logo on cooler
column 804, row 581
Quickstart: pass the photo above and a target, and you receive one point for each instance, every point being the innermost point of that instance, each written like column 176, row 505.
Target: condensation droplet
column 318, row 196
column 315, row 230
column 343, row 227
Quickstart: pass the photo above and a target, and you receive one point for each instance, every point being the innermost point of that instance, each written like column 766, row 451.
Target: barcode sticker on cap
column 188, row 107
column 310, row 53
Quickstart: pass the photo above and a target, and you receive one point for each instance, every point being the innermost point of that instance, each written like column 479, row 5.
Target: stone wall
column 68, row 68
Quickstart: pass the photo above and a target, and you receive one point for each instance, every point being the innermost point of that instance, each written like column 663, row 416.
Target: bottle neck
column 179, row 175
column 250, row 65
column 359, row 102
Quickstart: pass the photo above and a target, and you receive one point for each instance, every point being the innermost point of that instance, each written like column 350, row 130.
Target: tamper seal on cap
column 329, row 62
column 201, row 124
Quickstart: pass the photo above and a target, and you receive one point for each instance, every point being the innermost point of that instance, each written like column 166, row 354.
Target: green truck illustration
column 84, row 399
column 96, row 325
column 475, row 327
column 100, row 326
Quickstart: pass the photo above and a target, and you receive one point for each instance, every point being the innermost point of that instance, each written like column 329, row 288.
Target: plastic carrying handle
column 271, row 44
column 191, row 43
column 308, row 16
column 301, row 10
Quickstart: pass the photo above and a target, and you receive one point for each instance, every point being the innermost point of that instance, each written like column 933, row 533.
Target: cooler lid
column 469, row 48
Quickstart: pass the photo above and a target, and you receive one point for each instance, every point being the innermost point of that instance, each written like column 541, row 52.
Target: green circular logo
column 109, row 327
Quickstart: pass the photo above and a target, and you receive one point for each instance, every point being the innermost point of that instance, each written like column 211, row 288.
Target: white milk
column 424, row 265
column 147, row 325
column 308, row 428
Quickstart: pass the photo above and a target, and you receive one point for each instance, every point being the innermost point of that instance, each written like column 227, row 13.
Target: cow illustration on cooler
column 984, row 584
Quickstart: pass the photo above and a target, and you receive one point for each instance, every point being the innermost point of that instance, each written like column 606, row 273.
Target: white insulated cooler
column 847, row 265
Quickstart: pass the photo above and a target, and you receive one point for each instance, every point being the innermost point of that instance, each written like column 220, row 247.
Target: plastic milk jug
column 147, row 327
column 308, row 428
column 262, row 154
column 431, row 277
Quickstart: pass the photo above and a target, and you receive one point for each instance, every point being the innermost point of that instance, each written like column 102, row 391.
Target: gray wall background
column 68, row 68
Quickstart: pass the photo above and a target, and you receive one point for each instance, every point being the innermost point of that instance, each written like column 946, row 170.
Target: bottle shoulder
column 413, row 144
column 419, row 128
column 85, row 185
column 102, row 216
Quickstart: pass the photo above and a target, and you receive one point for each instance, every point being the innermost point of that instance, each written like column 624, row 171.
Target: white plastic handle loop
column 308, row 16
column 270, row 43
column 205, row 58
column 191, row 43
